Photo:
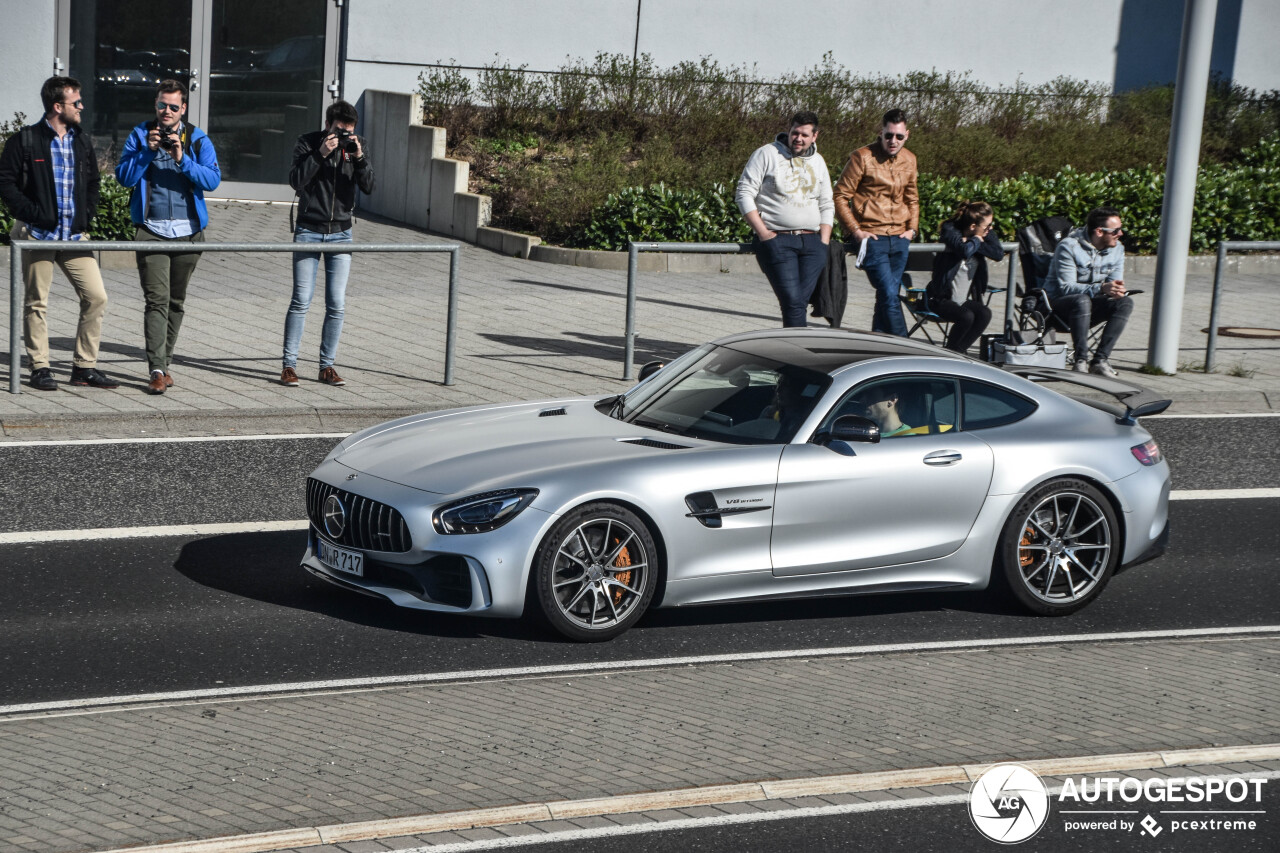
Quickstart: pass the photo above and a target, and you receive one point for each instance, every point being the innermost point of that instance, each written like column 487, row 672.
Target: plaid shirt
column 64, row 179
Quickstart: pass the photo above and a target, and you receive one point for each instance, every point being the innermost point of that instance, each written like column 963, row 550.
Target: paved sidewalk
column 526, row 330
column 110, row 778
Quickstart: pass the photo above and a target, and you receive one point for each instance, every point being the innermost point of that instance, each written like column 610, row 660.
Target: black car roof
column 827, row 350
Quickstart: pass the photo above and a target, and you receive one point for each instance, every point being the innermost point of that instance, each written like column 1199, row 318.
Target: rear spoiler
column 1137, row 401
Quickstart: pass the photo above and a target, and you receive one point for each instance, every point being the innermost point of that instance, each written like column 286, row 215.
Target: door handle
column 943, row 457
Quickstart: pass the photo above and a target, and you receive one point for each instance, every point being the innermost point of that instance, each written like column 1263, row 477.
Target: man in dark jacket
column 49, row 181
column 328, row 166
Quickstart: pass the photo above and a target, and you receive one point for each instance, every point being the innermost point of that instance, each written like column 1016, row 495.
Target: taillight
column 1148, row 453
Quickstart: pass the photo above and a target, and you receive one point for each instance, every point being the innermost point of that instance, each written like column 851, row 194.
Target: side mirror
column 852, row 428
column 650, row 369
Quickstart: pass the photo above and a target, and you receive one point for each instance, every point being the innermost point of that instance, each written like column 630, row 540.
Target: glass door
column 259, row 75
column 119, row 50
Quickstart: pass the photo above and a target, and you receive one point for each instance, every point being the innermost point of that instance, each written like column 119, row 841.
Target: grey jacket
column 1077, row 267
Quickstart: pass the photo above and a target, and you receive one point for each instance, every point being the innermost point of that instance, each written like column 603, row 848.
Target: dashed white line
column 1222, row 494
column 181, row 439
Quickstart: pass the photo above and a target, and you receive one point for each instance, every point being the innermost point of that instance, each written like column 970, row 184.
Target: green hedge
column 1237, row 202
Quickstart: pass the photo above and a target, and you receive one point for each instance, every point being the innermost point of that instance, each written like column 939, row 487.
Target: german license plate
column 351, row 562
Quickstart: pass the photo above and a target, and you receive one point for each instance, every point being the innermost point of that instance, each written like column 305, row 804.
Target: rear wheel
column 595, row 572
column 1060, row 547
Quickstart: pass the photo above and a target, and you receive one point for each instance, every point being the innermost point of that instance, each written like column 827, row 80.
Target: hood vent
column 551, row 413
column 650, row 442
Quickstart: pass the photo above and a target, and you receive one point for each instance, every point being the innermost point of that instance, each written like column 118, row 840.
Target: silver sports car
column 776, row 464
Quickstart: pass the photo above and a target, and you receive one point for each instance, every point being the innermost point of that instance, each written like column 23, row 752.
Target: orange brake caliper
column 1024, row 556
column 624, row 560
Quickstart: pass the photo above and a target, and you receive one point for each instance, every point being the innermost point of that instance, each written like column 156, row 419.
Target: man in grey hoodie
column 785, row 196
column 1085, row 284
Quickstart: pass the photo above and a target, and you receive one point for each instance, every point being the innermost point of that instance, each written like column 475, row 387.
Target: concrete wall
column 1123, row 43
column 27, row 56
column 417, row 184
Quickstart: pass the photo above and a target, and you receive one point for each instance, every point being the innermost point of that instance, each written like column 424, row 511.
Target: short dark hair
column 1099, row 216
column 341, row 111
column 805, row 117
column 894, row 116
column 168, row 87
column 54, row 89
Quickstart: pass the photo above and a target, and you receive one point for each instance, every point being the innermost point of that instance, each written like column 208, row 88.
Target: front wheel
column 1060, row 547
column 596, row 572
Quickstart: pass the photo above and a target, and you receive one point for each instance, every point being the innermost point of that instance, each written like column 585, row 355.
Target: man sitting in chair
column 1085, row 285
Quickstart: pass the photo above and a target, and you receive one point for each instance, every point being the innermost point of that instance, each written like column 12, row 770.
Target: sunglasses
column 1111, row 230
column 77, row 104
column 901, row 137
column 173, row 108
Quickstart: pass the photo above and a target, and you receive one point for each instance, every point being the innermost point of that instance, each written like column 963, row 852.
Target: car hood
column 482, row 448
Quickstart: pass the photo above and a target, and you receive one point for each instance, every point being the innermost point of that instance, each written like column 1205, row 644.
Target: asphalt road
column 103, row 618
column 940, row 827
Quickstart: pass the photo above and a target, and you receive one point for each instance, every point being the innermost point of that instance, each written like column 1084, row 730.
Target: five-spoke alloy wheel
column 595, row 572
column 1060, row 547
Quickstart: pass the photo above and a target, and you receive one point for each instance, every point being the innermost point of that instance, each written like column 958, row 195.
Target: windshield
column 720, row 394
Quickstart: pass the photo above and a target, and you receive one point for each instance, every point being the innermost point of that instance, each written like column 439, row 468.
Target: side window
column 987, row 406
column 902, row 406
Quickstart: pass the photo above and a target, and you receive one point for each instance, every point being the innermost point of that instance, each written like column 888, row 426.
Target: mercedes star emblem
column 335, row 517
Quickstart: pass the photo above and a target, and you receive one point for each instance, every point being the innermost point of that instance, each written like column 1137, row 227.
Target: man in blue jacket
column 1085, row 283
column 169, row 165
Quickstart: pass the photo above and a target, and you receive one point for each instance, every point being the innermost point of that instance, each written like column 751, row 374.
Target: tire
column 596, row 572
column 1059, row 547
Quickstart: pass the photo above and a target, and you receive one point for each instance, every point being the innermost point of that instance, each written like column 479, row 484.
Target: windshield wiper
column 616, row 410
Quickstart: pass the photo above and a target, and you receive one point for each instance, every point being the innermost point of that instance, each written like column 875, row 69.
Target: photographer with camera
column 328, row 167
column 169, row 165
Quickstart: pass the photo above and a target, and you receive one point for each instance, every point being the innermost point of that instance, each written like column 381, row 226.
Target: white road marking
column 351, row 684
column 1222, row 494
column 171, row 439
column 809, row 812
column 31, row 537
column 1222, row 415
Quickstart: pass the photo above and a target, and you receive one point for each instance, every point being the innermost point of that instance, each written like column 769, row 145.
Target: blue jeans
column 305, row 266
column 792, row 263
column 885, row 262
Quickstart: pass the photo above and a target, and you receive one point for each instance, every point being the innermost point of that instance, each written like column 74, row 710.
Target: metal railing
column 1225, row 246
column 633, row 262
column 17, row 285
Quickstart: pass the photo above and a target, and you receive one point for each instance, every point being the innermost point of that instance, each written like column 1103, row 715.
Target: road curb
column 852, row 783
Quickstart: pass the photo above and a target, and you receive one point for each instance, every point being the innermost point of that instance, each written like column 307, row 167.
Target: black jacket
column 831, row 293
column 327, row 185
column 946, row 264
column 26, row 179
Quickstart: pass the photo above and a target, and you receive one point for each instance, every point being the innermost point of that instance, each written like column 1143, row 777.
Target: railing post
column 1010, row 287
column 629, row 345
column 15, row 317
column 1211, row 347
column 451, row 329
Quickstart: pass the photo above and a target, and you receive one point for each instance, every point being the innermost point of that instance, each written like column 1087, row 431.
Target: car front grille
column 370, row 526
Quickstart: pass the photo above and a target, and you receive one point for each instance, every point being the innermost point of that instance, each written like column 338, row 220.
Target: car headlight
column 483, row 512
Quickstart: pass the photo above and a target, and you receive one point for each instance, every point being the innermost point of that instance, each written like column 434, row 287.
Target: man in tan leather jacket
column 877, row 201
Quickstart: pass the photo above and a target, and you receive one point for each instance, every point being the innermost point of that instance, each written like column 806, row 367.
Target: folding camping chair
column 1034, row 311
column 916, row 301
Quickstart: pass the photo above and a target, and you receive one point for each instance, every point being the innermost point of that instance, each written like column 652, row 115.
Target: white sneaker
column 1101, row 367
column 1081, row 366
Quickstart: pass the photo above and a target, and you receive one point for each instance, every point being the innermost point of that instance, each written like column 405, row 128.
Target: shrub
column 1240, row 202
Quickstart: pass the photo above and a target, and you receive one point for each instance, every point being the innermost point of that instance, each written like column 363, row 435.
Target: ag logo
column 1008, row 803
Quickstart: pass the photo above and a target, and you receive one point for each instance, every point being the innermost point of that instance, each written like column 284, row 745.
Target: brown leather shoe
column 168, row 380
column 289, row 377
column 329, row 376
column 156, row 385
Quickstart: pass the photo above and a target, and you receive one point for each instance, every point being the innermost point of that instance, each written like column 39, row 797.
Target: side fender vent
column 651, row 442
column 551, row 413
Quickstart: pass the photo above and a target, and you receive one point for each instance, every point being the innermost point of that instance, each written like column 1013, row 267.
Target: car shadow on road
column 265, row 567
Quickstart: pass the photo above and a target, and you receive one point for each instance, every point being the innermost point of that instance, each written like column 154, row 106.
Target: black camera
column 346, row 140
column 169, row 138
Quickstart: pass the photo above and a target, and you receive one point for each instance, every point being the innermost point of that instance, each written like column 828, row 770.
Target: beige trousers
column 81, row 269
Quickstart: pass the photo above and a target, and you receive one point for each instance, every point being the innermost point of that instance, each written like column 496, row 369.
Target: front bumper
column 477, row 573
